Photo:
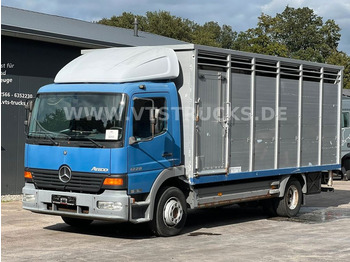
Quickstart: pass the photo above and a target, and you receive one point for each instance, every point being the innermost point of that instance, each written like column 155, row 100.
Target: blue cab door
column 148, row 156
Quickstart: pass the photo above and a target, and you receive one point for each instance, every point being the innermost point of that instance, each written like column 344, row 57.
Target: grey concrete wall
column 26, row 65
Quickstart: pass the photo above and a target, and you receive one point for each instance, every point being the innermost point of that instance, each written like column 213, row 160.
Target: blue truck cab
column 93, row 150
column 96, row 141
column 143, row 134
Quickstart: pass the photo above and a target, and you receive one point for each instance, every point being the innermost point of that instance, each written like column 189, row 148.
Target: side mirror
column 152, row 119
column 29, row 108
column 29, row 105
column 132, row 140
column 152, row 116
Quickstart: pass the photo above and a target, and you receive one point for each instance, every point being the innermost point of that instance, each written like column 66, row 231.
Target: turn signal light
column 28, row 175
column 113, row 181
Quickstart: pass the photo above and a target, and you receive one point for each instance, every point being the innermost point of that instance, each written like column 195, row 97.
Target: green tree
column 340, row 58
column 257, row 40
column 126, row 20
column 227, row 37
column 296, row 33
column 208, row 34
column 212, row 34
column 162, row 23
column 165, row 24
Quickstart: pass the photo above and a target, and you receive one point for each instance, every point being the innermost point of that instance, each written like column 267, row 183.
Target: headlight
column 28, row 198
column 117, row 206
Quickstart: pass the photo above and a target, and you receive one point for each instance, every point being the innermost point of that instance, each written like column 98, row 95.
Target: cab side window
column 142, row 128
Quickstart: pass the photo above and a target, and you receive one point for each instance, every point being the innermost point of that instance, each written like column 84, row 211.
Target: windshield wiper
column 52, row 140
column 46, row 135
column 49, row 133
column 94, row 142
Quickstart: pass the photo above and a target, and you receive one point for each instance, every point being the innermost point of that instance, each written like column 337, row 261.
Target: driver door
column 149, row 153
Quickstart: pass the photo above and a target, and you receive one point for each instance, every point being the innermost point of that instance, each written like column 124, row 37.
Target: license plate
column 64, row 200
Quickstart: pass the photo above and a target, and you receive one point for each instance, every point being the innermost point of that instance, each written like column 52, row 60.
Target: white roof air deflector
column 116, row 65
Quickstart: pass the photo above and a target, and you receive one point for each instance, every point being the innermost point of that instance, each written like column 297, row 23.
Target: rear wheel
column 170, row 212
column 289, row 205
column 76, row 222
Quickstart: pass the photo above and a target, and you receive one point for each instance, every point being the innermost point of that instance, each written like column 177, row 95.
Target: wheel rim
column 172, row 212
column 293, row 197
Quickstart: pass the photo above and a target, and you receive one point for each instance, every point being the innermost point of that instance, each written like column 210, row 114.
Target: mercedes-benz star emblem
column 65, row 174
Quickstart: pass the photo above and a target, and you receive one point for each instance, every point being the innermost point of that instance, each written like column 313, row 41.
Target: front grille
column 80, row 182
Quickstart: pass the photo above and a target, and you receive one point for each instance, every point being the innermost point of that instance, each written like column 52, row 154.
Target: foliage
column 160, row 23
column 340, row 58
column 163, row 23
column 296, row 33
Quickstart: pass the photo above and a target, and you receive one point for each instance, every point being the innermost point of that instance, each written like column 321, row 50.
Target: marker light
column 28, row 175
column 113, row 181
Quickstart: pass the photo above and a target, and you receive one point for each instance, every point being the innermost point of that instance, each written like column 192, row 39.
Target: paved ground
column 320, row 233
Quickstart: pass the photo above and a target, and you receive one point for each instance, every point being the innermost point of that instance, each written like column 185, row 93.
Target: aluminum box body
column 248, row 115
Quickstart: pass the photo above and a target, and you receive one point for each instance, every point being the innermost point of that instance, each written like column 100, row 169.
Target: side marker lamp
column 28, row 175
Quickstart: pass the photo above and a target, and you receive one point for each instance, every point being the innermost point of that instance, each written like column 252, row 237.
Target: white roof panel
column 116, row 65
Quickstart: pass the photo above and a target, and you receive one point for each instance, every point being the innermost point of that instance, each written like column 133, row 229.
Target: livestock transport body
column 143, row 134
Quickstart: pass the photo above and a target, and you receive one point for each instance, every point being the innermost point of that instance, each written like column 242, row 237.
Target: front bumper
column 40, row 201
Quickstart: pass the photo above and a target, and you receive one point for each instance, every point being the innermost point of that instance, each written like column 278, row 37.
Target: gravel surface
column 320, row 233
column 8, row 198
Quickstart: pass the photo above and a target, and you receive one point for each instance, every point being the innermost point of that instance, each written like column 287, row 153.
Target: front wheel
column 170, row 212
column 289, row 205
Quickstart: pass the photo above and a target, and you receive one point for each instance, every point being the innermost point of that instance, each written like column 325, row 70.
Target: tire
column 170, row 212
column 289, row 205
column 76, row 222
column 346, row 176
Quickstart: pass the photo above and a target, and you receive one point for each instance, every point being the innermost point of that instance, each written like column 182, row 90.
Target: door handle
column 166, row 154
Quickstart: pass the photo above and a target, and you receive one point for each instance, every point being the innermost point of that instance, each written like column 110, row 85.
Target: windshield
column 78, row 116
